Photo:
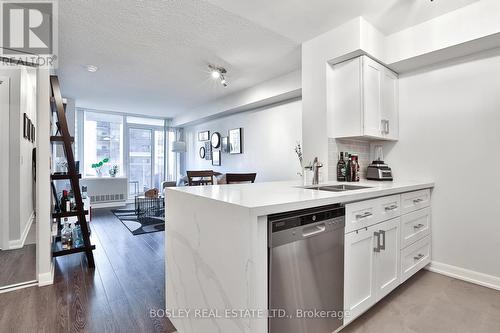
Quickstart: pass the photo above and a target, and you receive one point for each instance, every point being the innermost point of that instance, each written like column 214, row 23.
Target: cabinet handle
column 364, row 215
column 392, row 207
column 416, row 201
column 377, row 234
column 420, row 256
column 384, row 126
column 382, row 233
column 418, row 226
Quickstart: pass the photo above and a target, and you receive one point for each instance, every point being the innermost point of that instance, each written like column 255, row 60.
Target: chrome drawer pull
column 377, row 234
column 418, row 226
column 420, row 256
column 362, row 216
column 416, row 201
column 382, row 233
column 392, row 207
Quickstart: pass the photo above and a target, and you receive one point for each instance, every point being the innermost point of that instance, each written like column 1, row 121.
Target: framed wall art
column 204, row 136
column 32, row 132
column 224, row 145
column 25, row 126
column 235, row 141
column 215, row 140
column 216, row 158
column 28, row 130
column 208, row 150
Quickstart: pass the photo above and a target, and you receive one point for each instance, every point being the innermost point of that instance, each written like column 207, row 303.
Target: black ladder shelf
column 64, row 138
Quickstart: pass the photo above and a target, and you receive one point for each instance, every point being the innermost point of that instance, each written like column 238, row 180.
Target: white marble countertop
column 275, row 197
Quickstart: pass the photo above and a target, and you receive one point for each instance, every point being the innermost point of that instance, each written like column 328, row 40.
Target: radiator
column 106, row 190
column 103, row 198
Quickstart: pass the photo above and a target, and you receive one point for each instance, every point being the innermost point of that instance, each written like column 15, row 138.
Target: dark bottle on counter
column 354, row 168
column 348, row 169
column 341, row 168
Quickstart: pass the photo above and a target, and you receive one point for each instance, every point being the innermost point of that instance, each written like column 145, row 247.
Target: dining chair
column 235, row 178
column 203, row 177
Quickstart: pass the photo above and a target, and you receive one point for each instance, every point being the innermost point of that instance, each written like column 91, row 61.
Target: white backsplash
column 358, row 147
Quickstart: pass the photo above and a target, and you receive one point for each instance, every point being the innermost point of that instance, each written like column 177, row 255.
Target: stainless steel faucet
column 316, row 165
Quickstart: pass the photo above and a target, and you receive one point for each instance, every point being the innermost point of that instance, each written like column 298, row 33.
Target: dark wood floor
column 18, row 266
column 128, row 281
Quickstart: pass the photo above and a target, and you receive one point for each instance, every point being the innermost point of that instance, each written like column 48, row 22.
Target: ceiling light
column 215, row 74
column 223, row 81
column 218, row 73
column 91, row 68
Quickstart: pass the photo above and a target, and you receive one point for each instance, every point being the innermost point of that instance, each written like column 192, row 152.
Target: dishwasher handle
column 315, row 230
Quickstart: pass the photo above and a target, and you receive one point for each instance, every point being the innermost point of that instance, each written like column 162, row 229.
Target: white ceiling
column 301, row 20
column 152, row 55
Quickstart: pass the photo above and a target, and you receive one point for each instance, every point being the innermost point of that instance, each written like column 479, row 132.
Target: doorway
column 146, row 158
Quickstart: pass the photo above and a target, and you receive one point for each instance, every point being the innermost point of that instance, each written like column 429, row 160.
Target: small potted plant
column 98, row 166
column 113, row 171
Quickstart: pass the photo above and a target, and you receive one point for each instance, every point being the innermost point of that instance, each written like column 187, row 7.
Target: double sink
column 337, row 188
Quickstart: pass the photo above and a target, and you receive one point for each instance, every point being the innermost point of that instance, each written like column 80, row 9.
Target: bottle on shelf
column 65, row 202
column 66, row 235
column 341, row 168
column 77, row 235
column 72, row 201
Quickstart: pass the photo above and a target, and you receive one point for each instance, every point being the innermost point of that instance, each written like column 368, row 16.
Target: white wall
column 450, row 133
column 26, row 188
column 4, row 166
column 22, row 100
column 269, row 137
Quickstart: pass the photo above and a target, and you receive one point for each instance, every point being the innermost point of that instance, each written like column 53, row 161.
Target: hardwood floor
column 117, row 296
column 18, row 266
column 128, row 281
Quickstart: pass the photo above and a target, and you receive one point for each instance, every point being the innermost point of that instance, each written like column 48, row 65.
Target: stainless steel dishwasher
column 306, row 270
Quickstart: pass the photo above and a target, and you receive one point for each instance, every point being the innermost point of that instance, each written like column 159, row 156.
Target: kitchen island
column 217, row 247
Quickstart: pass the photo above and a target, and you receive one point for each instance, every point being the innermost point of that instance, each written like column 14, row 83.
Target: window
column 137, row 145
column 103, row 139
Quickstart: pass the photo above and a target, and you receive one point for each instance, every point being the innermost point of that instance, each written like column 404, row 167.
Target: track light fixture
column 218, row 73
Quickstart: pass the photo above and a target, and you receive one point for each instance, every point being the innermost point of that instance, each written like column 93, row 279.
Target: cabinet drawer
column 389, row 207
column 369, row 212
column 415, row 225
column 415, row 257
column 412, row 201
column 361, row 214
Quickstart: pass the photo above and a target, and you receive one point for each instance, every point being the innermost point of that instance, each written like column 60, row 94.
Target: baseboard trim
column 463, row 274
column 18, row 286
column 46, row 279
column 19, row 243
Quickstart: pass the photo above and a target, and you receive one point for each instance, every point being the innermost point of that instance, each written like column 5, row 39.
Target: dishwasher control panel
column 296, row 225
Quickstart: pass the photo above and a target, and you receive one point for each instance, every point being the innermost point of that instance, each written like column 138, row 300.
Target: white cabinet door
column 389, row 105
column 387, row 257
column 372, row 84
column 359, row 289
column 344, row 109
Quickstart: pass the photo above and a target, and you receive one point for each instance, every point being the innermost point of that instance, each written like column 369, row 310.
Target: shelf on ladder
column 57, row 106
column 63, row 176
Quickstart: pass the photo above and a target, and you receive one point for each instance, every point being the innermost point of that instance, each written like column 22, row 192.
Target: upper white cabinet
column 362, row 100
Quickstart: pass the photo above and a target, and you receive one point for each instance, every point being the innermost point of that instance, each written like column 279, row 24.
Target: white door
column 389, row 105
column 387, row 273
column 359, row 289
column 372, row 81
column 4, row 151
